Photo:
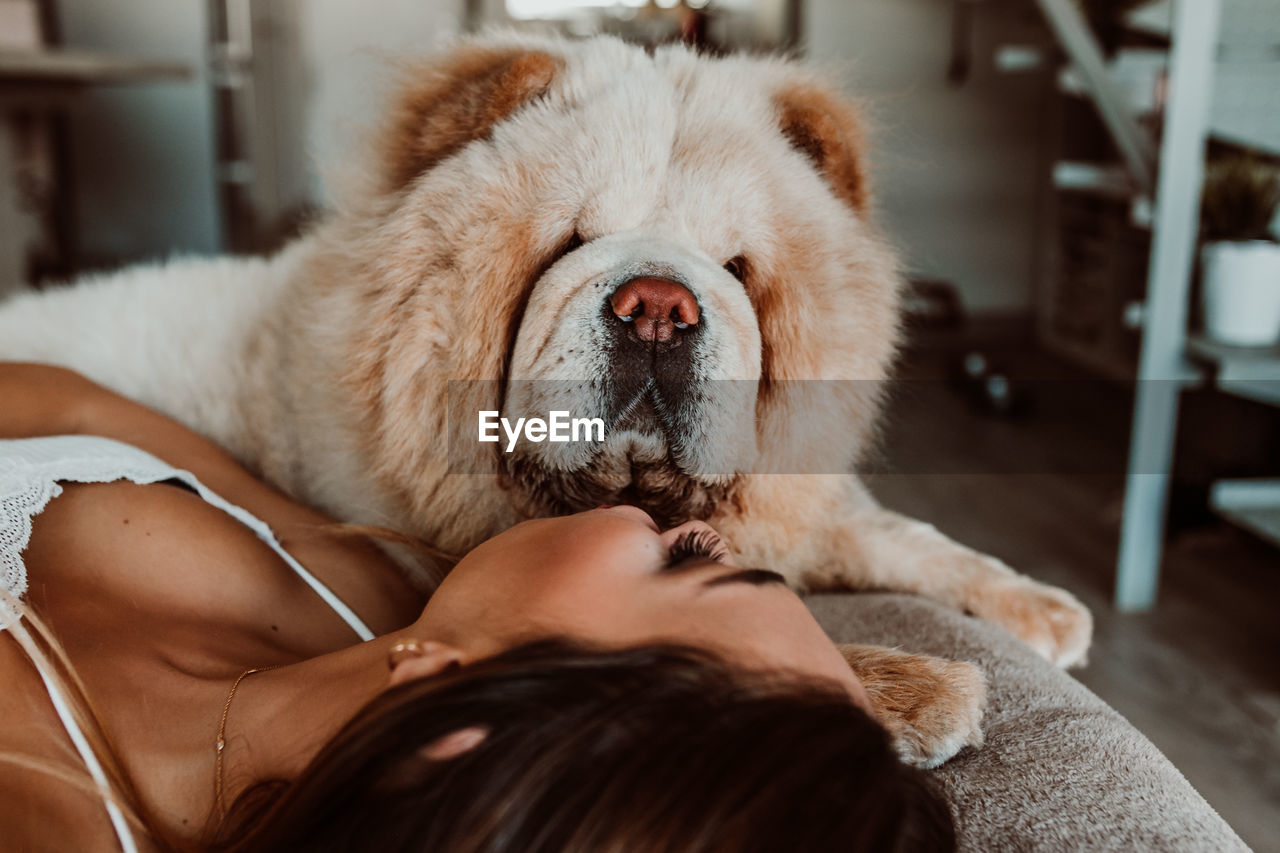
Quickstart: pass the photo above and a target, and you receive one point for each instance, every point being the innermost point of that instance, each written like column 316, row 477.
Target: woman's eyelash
column 701, row 544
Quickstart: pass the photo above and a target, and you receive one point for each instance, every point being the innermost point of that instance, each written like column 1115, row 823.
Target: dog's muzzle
column 654, row 338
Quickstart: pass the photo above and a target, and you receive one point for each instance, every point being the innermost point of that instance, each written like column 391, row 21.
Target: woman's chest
column 156, row 566
column 158, row 600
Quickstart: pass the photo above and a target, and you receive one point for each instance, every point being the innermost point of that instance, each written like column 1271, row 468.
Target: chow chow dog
column 680, row 245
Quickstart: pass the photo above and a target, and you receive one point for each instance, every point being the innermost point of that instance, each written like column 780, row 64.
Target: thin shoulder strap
column 118, row 822
column 17, row 627
column 264, row 533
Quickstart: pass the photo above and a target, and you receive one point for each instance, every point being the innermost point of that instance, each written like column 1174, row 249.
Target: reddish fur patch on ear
column 829, row 131
column 460, row 101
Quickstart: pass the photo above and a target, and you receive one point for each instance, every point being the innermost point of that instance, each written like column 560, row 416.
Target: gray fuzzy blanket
column 1060, row 769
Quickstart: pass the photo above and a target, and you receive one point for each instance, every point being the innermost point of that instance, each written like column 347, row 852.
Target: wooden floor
column 1200, row 676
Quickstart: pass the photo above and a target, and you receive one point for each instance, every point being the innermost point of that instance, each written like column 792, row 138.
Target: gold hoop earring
column 403, row 651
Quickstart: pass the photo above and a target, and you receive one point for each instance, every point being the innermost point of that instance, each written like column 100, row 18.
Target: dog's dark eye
column 737, row 267
column 575, row 241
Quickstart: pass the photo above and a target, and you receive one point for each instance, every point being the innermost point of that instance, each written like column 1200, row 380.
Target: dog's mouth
column 638, row 412
column 659, row 487
column 649, row 457
column 649, row 413
column 673, row 444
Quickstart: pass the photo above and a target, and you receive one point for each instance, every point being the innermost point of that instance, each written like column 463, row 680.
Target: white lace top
column 31, row 471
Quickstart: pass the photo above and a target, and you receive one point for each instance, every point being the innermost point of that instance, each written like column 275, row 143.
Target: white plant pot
column 1241, row 283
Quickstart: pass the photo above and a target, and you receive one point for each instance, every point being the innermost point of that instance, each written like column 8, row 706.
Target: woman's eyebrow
column 753, row 576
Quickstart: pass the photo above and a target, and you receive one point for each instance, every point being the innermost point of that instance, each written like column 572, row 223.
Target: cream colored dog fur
column 519, row 181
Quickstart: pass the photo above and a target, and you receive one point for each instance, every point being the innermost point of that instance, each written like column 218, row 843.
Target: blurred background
column 1085, row 193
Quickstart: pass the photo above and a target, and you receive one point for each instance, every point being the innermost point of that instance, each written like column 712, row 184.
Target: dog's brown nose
column 657, row 306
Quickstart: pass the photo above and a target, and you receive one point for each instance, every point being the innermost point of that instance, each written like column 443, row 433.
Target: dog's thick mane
column 327, row 368
column 489, row 93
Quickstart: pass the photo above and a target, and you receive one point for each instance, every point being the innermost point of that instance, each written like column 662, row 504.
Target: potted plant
column 1240, row 260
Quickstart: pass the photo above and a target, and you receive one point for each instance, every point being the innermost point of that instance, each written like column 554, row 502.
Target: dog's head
column 669, row 242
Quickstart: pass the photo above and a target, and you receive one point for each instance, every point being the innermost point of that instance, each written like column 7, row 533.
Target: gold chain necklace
column 221, row 744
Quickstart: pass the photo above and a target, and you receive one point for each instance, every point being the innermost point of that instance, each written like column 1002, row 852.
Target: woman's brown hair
column 658, row 748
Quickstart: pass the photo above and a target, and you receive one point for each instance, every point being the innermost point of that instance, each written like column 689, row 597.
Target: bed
column 1060, row 770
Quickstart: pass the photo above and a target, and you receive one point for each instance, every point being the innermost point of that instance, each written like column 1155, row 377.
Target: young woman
column 179, row 681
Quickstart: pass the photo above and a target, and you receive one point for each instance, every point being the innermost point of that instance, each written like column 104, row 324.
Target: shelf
column 1250, row 372
column 1246, row 103
column 1251, row 504
column 1136, row 147
column 1248, row 28
column 79, row 67
column 1108, row 180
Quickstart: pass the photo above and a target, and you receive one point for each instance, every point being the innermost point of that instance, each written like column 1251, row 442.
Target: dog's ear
column 459, row 100
column 828, row 130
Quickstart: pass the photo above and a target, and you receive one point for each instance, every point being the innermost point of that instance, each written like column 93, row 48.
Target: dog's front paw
column 1050, row 620
column 931, row 707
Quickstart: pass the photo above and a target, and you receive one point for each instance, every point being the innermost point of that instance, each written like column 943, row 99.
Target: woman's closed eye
column 696, row 544
column 701, row 544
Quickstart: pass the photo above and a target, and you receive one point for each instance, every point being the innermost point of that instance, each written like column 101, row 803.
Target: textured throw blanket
column 1060, row 769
